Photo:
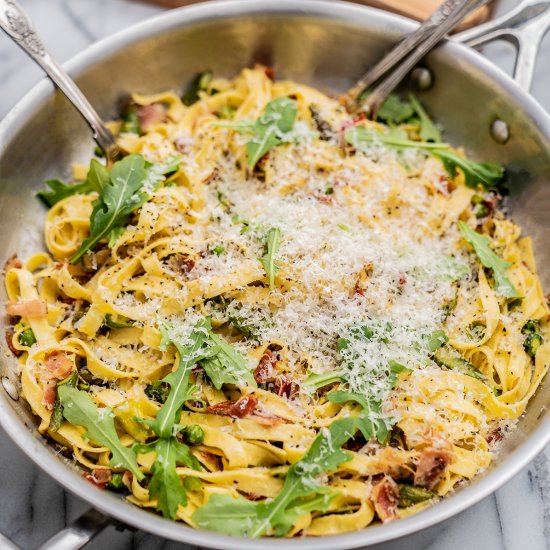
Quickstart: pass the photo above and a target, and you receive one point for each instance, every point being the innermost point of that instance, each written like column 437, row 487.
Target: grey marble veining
column 34, row 507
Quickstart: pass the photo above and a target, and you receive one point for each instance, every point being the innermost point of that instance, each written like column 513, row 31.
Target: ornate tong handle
column 17, row 25
column 399, row 61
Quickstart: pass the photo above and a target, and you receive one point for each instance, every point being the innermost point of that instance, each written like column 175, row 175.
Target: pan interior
column 304, row 45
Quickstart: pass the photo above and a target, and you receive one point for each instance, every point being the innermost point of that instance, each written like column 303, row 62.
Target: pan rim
column 29, row 441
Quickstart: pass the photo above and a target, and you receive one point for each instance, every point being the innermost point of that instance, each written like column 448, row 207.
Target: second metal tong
column 391, row 70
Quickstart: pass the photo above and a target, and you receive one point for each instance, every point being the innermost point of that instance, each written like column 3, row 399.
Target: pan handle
column 524, row 27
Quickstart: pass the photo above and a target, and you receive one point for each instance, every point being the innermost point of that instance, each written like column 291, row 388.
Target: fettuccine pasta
column 269, row 300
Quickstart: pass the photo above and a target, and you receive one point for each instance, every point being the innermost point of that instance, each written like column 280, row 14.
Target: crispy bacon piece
column 494, row 436
column 352, row 122
column 9, row 342
column 28, row 308
column 286, row 386
column 265, row 371
column 181, row 263
column 149, row 115
column 58, row 365
column 50, row 393
column 13, row 263
column 267, row 418
column 237, row 409
column 93, row 261
column 99, row 477
column 385, row 496
column 431, row 465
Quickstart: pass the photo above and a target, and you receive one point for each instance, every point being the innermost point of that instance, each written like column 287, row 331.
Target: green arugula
column 242, row 517
column 95, row 181
column 486, row 174
column 165, row 482
column 436, row 339
column 225, row 365
column 481, row 245
column 189, row 354
column 273, row 243
column 56, row 419
column 80, row 410
column 269, row 129
column 428, row 130
column 121, row 192
column 395, row 110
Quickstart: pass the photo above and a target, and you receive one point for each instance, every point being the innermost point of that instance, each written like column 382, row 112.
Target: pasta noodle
column 328, row 269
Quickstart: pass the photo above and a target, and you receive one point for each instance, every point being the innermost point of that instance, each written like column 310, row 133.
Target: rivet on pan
column 10, row 388
column 500, row 131
column 422, row 78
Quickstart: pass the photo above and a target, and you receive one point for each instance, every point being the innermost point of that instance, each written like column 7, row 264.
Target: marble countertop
column 34, row 506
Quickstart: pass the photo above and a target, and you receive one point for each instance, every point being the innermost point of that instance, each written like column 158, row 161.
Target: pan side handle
column 78, row 533
column 524, row 27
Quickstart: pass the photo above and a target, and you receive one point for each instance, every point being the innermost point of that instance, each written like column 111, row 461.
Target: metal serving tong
column 15, row 22
column 393, row 68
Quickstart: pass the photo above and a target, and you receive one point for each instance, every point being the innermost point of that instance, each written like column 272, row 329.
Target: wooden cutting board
column 415, row 9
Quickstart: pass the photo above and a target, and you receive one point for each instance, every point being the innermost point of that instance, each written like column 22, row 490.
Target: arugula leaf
column 490, row 260
column 80, row 410
column 428, row 130
column 316, row 381
column 125, row 189
column 60, row 191
column 242, row 517
column 268, row 259
column 486, row 174
column 189, row 354
column 395, row 110
column 269, row 129
column 165, row 482
column 227, row 366
column 120, row 197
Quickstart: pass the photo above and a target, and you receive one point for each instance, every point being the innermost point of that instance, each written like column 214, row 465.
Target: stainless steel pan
column 327, row 44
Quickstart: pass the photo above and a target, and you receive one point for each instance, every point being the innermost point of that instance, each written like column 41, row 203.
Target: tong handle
column 15, row 22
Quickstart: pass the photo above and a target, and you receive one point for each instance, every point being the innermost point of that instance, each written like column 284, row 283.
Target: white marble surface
column 33, row 506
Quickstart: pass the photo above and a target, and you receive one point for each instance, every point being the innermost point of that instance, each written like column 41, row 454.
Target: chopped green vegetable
column 119, row 322
column 193, row 434
column 199, row 84
column 130, row 121
column 27, row 338
column 490, row 260
column 116, row 483
column 486, row 174
column 409, row 495
column 80, row 410
column 226, row 112
column 436, row 340
column 57, row 414
column 268, row 260
column 449, row 358
column 218, row 250
column 428, row 130
column 533, row 338
column 166, row 485
column 225, row 514
column 158, row 391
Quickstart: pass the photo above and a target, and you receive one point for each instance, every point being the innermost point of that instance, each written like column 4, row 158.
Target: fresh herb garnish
column 486, row 174
column 121, row 192
column 80, row 410
column 269, row 129
column 481, row 246
column 395, row 110
column 27, row 338
column 166, row 484
column 428, row 130
column 268, row 260
column 436, row 339
column 301, row 491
